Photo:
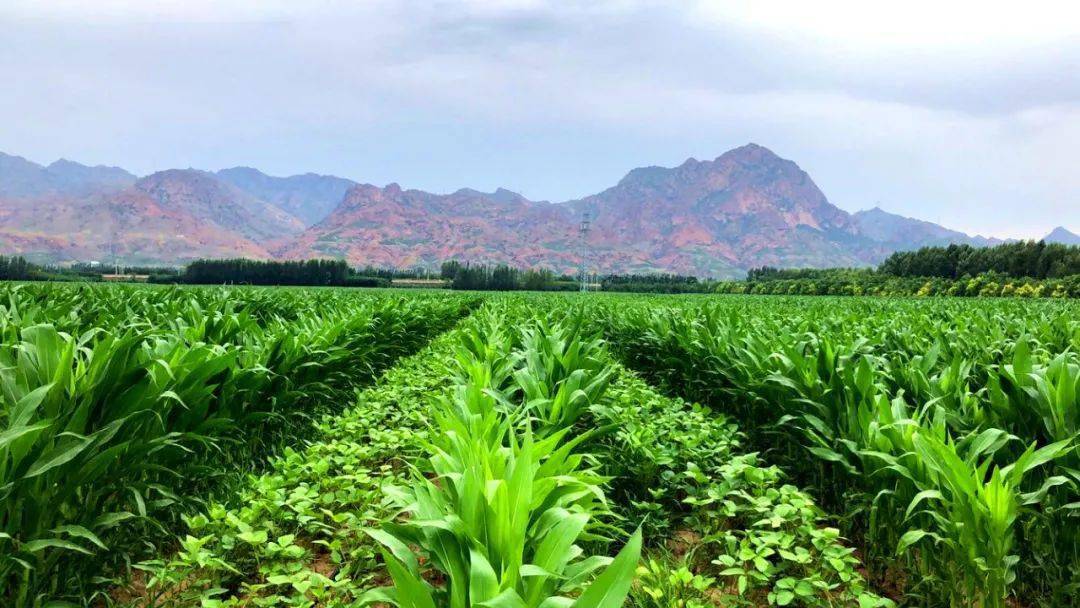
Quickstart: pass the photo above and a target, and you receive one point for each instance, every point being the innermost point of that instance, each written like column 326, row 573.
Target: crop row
column 946, row 432
column 499, row 467
column 121, row 406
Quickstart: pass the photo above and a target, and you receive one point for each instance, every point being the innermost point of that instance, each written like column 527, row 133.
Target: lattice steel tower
column 583, row 253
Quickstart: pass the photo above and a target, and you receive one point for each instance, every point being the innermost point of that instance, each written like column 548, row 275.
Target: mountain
column 308, row 197
column 1062, row 236
column 70, row 176
column 22, row 178
column 404, row 228
column 170, row 216
column 897, row 233
column 217, row 202
column 130, row 225
column 746, row 208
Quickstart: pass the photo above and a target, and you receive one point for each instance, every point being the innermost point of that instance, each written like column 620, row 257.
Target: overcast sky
column 962, row 113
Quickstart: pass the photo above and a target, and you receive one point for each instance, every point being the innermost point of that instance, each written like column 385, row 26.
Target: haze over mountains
column 746, row 208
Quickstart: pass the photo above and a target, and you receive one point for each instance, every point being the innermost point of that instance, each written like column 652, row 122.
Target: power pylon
column 583, row 253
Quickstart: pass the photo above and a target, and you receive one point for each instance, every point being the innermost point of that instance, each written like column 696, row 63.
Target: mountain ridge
column 747, row 207
column 23, row 178
column 220, row 203
column 308, row 196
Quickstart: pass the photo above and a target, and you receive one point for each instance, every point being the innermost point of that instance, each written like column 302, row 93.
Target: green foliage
column 745, row 537
column 106, row 429
column 670, row 583
column 655, row 283
column 510, row 462
column 845, row 282
column 326, row 495
column 948, row 432
column 242, row 271
column 498, row 508
column 16, row 268
column 1035, row 259
column 501, row 277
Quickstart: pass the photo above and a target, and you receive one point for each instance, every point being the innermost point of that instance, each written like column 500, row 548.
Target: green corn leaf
column 411, row 591
column 40, row 544
column 610, row 588
column 912, row 537
column 483, row 583
column 509, row 598
column 921, row 496
column 398, row 548
column 64, row 452
column 80, row 532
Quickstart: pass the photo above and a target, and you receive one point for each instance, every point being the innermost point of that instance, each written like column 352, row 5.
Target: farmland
column 325, row 447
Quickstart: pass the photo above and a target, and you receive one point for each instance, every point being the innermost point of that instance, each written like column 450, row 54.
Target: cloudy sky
column 963, row 113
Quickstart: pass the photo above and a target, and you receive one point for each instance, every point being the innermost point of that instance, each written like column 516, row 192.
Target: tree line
column 872, row 283
column 16, row 268
column 241, row 271
column 502, row 277
column 656, row 283
column 1026, row 268
column 1034, row 259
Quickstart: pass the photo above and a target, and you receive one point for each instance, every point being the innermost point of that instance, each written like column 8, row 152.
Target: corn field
column 236, row 447
column 121, row 406
column 944, row 433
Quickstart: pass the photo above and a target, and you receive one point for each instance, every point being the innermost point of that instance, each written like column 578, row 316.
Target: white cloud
column 987, row 26
column 937, row 110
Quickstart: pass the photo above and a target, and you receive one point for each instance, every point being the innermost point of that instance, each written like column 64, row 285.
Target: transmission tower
column 583, row 233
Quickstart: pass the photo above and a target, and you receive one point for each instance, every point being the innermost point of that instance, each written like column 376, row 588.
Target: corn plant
column 498, row 510
column 107, row 429
column 562, row 372
column 912, row 416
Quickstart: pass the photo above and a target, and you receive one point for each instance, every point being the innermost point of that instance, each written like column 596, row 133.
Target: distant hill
column 746, row 208
column 899, row 232
column 24, row 179
column 308, row 197
column 395, row 227
column 209, row 199
column 1062, row 236
column 132, row 225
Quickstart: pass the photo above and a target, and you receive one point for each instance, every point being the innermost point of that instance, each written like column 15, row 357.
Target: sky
column 962, row 113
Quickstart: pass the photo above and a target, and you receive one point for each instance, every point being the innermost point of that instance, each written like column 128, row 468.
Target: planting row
column 508, row 464
column 726, row 529
column 945, row 432
column 120, row 406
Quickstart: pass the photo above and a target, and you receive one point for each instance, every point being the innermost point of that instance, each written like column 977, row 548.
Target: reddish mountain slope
column 748, row 207
column 129, row 225
column 719, row 217
column 223, row 205
column 394, row 227
column 172, row 216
